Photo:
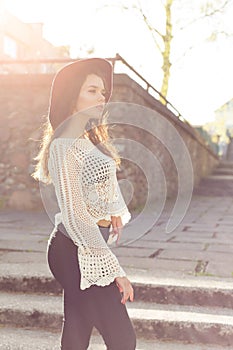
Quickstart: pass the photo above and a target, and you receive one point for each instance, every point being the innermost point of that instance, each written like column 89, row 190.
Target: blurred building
column 224, row 126
column 209, row 140
column 224, row 114
column 24, row 41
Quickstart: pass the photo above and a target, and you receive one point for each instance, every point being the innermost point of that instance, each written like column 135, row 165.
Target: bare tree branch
column 118, row 5
column 164, row 38
column 145, row 18
column 215, row 34
column 185, row 52
column 210, row 14
column 152, row 30
column 217, row 9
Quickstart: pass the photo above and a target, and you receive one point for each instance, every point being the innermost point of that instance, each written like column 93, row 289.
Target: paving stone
column 15, row 234
column 219, row 268
column 219, row 256
column 25, row 257
column 227, row 220
column 227, row 230
column 192, row 255
column 224, row 237
column 201, row 226
column 223, row 248
column 157, row 236
column 159, row 265
column 199, row 234
column 181, row 255
column 137, row 263
column 132, row 251
column 201, row 230
column 170, row 245
column 22, row 245
column 193, row 239
column 24, row 269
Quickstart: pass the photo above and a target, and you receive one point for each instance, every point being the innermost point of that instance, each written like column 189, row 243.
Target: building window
column 9, row 47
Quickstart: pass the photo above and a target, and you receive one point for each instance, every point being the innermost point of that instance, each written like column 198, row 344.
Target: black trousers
column 98, row 307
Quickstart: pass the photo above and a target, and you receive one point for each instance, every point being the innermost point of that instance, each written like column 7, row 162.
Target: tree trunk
column 167, row 38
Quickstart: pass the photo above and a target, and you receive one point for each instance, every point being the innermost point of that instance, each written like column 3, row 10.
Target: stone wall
column 202, row 157
column 24, row 103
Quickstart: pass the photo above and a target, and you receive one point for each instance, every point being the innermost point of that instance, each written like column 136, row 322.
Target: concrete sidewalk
column 200, row 248
column 183, row 280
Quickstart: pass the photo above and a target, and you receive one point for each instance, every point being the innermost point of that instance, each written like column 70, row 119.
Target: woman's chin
column 94, row 112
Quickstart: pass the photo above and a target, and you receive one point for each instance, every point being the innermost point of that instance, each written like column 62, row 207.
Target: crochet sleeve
column 98, row 265
column 117, row 206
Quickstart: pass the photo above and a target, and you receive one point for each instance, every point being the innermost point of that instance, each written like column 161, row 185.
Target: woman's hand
column 117, row 227
column 125, row 288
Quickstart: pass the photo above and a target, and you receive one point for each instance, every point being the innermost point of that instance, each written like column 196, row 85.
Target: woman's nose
column 101, row 98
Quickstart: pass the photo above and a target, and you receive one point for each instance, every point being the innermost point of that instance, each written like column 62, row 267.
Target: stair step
column 22, row 339
column 223, row 171
column 193, row 292
column 151, row 321
column 162, row 291
column 219, row 183
column 215, row 185
column 219, row 177
column 226, row 164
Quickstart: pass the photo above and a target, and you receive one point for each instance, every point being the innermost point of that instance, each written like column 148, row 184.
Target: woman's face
column 92, row 93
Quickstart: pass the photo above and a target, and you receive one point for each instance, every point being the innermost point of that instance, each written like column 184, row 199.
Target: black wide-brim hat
column 63, row 78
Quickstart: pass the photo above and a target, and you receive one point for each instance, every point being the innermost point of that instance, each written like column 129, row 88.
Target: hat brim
column 66, row 74
column 71, row 70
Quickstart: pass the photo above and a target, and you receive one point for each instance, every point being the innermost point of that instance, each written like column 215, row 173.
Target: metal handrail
column 112, row 59
column 148, row 85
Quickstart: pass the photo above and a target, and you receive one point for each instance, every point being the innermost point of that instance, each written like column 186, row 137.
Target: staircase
column 219, row 183
column 179, row 316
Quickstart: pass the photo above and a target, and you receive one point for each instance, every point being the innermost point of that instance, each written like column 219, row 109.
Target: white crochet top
column 87, row 190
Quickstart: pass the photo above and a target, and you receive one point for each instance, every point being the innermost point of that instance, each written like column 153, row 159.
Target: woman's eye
column 92, row 91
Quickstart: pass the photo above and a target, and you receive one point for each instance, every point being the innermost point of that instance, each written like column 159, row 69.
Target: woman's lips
column 100, row 108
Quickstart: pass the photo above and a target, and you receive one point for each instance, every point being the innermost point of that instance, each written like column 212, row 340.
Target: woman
column 81, row 164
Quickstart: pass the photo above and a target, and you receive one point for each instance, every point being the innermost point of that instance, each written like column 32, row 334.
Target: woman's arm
column 98, row 264
column 117, row 227
column 125, row 288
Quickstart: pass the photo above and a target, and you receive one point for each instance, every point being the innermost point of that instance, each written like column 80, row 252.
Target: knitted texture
column 87, row 191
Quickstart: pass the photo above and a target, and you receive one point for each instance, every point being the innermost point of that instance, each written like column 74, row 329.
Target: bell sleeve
column 98, row 265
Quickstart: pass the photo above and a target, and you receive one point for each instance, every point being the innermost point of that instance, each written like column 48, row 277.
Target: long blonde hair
column 98, row 135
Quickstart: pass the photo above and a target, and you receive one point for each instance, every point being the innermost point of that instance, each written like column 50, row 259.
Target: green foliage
column 2, row 202
column 210, row 140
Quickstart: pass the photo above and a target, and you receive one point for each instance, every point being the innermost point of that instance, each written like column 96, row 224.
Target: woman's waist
column 103, row 229
column 104, row 223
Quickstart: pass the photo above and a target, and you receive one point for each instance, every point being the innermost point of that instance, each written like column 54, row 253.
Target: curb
column 151, row 325
column 160, row 294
